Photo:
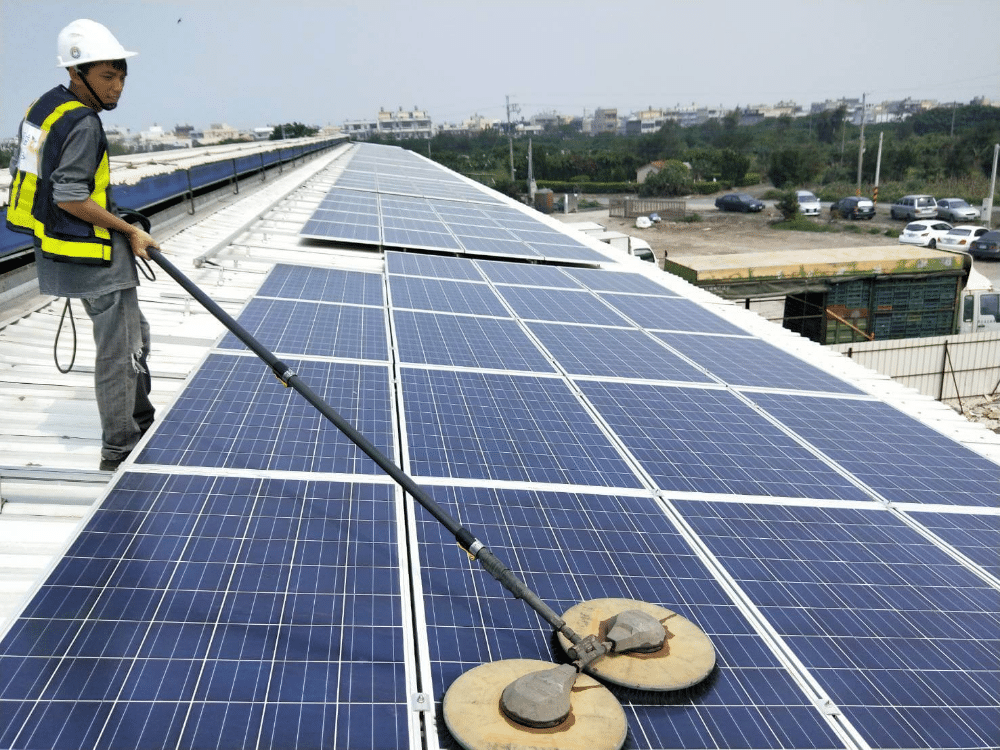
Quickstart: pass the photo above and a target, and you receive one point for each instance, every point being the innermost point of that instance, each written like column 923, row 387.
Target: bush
column 564, row 186
column 788, row 204
column 707, row 188
column 671, row 180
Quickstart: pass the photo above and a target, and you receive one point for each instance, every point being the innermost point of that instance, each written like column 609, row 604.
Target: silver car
column 956, row 209
column 914, row 207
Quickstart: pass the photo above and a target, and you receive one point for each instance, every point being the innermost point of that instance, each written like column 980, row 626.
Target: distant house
column 645, row 171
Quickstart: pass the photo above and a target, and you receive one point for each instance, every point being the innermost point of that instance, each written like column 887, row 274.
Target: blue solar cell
column 613, row 352
column 347, row 228
column 465, row 341
column 491, row 426
column 555, row 251
column 669, row 314
column 317, row 329
column 571, row 547
column 443, row 295
column 600, row 280
column 977, row 537
column 228, row 417
column 229, row 668
column 323, row 285
column 899, row 457
column 560, row 306
column 924, row 643
column 707, row 440
column 527, row 274
column 505, row 248
column 751, row 362
column 396, row 237
column 433, row 266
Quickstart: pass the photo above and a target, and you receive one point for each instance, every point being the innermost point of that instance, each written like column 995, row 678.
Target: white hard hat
column 86, row 41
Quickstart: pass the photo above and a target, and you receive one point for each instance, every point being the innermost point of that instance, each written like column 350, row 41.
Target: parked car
column 986, row 245
column 654, row 217
column 738, row 202
column 956, row 209
column 853, row 207
column 924, row 233
column 643, row 222
column 959, row 238
column 914, row 207
column 808, row 203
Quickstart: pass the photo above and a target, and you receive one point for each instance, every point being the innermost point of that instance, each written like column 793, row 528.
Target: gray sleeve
column 15, row 155
column 71, row 180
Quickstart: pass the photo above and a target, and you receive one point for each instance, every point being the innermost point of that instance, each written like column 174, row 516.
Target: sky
column 251, row 63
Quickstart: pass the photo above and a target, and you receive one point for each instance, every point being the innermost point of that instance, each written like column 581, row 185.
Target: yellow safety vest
column 32, row 210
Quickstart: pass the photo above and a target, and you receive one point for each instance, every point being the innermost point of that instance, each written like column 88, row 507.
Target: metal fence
column 629, row 208
column 948, row 368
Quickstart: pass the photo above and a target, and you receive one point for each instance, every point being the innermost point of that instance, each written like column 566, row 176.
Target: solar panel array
column 254, row 580
column 394, row 198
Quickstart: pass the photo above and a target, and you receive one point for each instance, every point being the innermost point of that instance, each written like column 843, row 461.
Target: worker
column 61, row 195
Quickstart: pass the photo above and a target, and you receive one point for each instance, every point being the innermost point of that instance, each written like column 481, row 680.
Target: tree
column 674, row 178
column 793, row 166
column 292, row 130
column 733, row 166
column 788, row 204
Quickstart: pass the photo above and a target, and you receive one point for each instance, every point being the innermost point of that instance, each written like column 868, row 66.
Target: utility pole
column 861, row 143
column 988, row 208
column 510, row 134
column 878, row 169
column 531, row 175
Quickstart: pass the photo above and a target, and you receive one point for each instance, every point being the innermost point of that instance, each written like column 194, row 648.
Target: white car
column 960, row 237
column 956, row 209
column 925, row 233
column 808, row 203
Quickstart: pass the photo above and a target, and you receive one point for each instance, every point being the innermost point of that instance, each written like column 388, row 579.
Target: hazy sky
column 257, row 62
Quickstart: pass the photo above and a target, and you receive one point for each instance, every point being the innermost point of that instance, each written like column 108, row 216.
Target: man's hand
column 139, row 241
column 90, row 212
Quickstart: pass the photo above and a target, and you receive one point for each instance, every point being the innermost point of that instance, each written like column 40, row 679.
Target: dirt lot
column 725, row 233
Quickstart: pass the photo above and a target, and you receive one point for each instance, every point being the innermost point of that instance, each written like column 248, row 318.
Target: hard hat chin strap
column 106, row 107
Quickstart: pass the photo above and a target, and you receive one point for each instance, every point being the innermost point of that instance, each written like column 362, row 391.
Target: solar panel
column 977, row 537
column 613, row 352
column 459, row 341
column 444, row 295
column 502, row 427
column 708, row 440
column 257, row 613
column 905, row 640
column 433, row 266
column 228, row 416
column 900, row 458
column 400, row 202
column 669, row 314
column 323, row 285
column 527, row 274
column 601, row 280
column 318, row 329
column 576, row 547
column 560, row 306
column 749, row 361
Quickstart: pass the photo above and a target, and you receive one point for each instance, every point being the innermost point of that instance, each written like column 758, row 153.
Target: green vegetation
column 292, row 130
column 922, row 154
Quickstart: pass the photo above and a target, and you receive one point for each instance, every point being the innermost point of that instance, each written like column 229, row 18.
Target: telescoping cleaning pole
column 628, row 643
column 490, row 562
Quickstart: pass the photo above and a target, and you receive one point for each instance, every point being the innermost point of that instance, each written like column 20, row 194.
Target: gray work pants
column 121, row 378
